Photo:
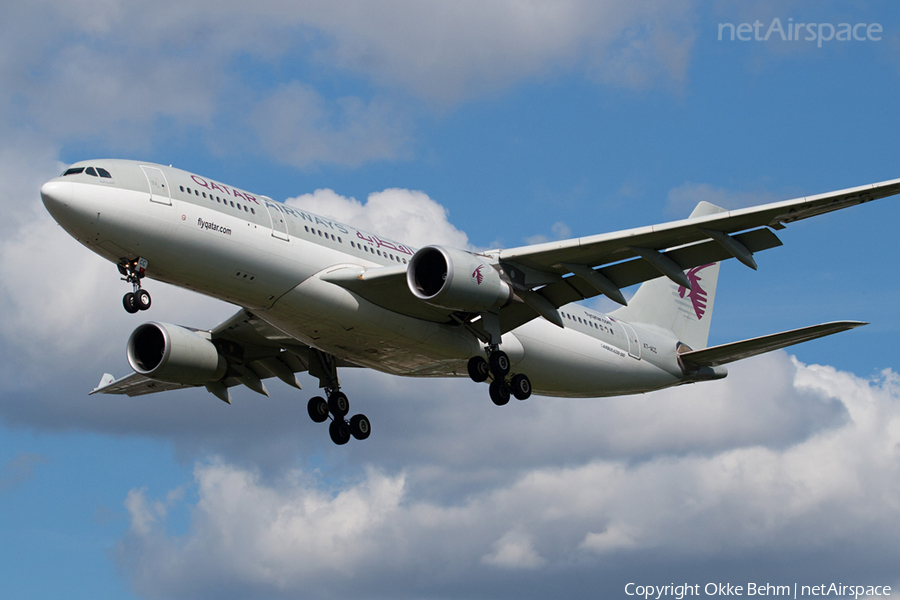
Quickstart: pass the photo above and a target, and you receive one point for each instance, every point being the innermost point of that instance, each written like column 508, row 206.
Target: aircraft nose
column 56, row 195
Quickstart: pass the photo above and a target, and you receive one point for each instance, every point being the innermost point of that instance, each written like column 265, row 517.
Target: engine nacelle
column 456, row 279
column 174, row 354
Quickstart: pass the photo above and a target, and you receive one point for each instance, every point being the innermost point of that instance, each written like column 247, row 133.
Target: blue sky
column 523, row 120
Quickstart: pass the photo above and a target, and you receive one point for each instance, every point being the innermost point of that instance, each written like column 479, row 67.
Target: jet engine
column 174, row 354
column 456, row 279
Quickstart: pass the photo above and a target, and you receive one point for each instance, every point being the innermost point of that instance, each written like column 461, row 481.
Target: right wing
column 726, row 353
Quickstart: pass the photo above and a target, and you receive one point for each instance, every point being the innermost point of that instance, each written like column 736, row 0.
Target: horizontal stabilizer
column 726, row 353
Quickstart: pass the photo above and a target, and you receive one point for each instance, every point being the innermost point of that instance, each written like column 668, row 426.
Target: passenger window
column 181, row 187
column 252, row 211
column 196, row 193
column 204, row 194
column 232, row 203
column 74, row 171
column 104, row 173
column 90, row 171
column 189, row 190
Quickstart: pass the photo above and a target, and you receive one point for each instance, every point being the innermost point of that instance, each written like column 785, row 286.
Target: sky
column 476, row 125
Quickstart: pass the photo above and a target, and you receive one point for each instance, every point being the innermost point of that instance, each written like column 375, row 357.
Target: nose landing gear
column 133, row 271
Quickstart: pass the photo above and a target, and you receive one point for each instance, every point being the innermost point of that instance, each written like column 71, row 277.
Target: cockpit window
column 93, row 172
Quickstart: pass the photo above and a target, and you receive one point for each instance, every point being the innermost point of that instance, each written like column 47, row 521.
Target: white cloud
column 451, row 51
column 515, row 550
column 299, row 127
column 19, row 469
column 408, row 216
column 681, row 200
column 560, row 230
column 127, row 74
column 615, row 537
column 828, row 489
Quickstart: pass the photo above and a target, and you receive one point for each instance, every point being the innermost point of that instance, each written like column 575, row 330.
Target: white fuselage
column 269, row 258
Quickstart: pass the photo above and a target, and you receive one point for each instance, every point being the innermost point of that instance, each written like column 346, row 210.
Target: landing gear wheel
column 318, row 409
column 478, row 369
column 499, row 392
column 360, row 428
column 339, row 431
column 142, row 299
column 338, row 404
column 499, row 363
column 129, row 303
column 520, row 386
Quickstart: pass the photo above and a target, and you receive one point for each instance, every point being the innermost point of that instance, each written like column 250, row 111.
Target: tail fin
column 685, row 312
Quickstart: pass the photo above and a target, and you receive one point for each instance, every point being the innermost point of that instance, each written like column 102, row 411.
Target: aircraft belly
column 565, row 362
column 337, row 321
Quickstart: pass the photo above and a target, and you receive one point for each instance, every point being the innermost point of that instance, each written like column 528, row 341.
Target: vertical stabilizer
column 685, row 312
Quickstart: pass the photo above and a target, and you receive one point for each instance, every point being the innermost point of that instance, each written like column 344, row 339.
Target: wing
column 569, row 268
column 547, row 276
column 726, row 353
column 254, row 350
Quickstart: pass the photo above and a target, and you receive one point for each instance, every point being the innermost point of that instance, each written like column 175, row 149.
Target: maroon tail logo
column 477, row 274
column 697, row 294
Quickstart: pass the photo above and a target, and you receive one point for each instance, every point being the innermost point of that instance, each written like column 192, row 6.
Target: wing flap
column 726, row 353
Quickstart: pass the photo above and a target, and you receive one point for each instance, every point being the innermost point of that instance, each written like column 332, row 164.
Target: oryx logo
column 477, row 274
column 697, row 294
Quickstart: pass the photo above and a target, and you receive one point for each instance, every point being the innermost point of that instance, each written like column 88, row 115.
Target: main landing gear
column 133, row 272
column 337, row 405
column 497, row 367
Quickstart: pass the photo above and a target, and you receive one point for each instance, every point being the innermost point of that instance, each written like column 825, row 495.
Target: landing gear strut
column 337, row 406
column 133, row 272
column 497, row 367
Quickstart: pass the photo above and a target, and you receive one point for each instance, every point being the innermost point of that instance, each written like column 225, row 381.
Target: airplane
column 317, row 295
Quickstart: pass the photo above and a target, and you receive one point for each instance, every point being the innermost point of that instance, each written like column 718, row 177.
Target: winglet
column 106, row 380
